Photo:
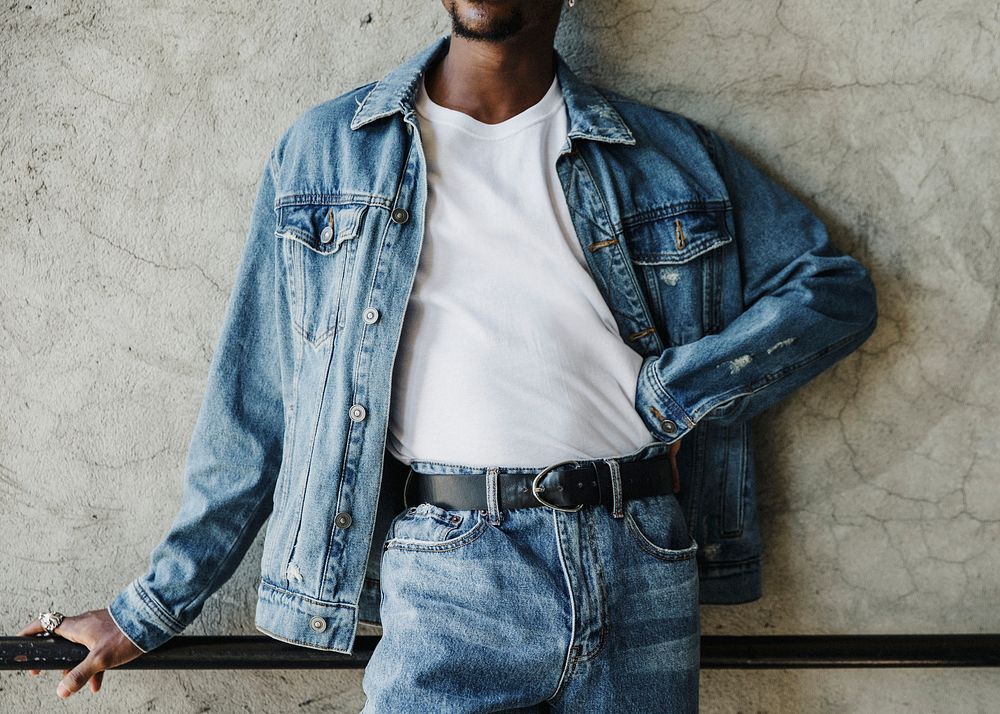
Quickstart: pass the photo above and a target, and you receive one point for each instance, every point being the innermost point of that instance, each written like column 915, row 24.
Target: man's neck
column 491, row 81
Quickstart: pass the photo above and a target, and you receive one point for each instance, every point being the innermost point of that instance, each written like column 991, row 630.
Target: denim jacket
column 726, row 284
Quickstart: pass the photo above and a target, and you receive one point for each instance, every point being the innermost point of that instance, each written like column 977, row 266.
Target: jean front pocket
column 658, row 527
column 426, row 527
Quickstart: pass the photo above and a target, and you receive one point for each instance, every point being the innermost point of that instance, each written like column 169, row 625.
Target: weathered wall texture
column 133, row 133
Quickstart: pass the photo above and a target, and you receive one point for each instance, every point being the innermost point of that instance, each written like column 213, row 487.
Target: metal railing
column 717, row 652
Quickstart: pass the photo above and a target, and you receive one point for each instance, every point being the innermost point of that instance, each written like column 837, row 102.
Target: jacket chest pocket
column 320, row 245
column 677, row 256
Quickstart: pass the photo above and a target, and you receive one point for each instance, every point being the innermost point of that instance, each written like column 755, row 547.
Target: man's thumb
column 77, row 677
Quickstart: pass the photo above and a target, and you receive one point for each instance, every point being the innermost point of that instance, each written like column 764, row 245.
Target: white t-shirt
column 509, row 355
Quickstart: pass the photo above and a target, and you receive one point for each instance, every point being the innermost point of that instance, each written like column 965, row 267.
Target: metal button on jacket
column 326, row 235
column 343, row 520
column 371, row 315
column 669, row 426
column 400, row 215
column 317, row 623
column 358, row 412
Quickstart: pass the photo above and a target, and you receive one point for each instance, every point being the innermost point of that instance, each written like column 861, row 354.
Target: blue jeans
column 535, row 609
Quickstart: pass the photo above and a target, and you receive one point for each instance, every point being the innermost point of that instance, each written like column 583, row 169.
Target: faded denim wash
column 506, row 610
column 725, row 283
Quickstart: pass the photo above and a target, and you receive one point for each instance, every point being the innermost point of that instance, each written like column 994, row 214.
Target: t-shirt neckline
column 429, row 109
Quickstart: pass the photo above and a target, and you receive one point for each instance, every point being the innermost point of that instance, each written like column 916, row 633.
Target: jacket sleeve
column 234, row 454
column 806, row 306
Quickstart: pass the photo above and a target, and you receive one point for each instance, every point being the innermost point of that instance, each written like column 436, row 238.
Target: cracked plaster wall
column 132, row 136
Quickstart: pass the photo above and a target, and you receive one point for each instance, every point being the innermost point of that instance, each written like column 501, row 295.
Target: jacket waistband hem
column 730, row 583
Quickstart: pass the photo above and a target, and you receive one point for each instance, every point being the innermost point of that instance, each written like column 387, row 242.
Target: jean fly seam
column 587, row 524
column 568, row 664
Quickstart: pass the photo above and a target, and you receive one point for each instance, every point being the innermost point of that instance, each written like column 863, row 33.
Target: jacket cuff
column 662, row 414
column 141, row 618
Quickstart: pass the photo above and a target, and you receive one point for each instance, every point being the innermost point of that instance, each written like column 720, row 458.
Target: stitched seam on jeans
column 402, row 544
column 569, row 665
column 655, row 550
column 602, row 636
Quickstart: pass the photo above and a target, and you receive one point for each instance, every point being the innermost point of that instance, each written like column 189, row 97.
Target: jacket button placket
column 397, row 257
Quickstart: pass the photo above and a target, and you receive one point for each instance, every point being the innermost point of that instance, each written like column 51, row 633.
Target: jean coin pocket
column 429, row 527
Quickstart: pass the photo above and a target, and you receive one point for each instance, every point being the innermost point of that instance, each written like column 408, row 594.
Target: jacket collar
column 591, row 115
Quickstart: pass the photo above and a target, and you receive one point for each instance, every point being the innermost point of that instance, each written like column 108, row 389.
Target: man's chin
column 492, row 24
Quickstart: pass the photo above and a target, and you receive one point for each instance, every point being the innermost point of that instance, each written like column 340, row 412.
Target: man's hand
column 108, row 645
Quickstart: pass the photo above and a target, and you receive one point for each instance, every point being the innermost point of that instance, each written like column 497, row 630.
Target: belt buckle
column 536, row 489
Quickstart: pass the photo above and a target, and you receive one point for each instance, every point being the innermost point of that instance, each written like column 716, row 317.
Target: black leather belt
column 565, row 486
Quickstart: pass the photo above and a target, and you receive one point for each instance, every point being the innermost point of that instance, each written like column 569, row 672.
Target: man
column 585, row 280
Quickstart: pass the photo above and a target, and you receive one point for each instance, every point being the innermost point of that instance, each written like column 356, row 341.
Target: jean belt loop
column 617, row 501
column 492, row 495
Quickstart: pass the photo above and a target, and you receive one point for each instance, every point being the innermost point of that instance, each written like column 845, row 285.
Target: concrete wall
column 132, row 135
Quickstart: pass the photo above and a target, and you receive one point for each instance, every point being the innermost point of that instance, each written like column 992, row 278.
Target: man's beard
column 498, row 30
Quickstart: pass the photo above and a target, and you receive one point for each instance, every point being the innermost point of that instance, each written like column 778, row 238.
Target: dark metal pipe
column 842, row 651
column 717, row 652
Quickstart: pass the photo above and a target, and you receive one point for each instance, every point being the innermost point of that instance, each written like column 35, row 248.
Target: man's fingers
column 64, row 629
column 68, row 627
column 83, row 629
column 79, row 676
column 32, row 628
column 89, row 629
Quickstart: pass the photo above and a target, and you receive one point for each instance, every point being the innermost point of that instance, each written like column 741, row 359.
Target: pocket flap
column 678, row 237
column 321, row 228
